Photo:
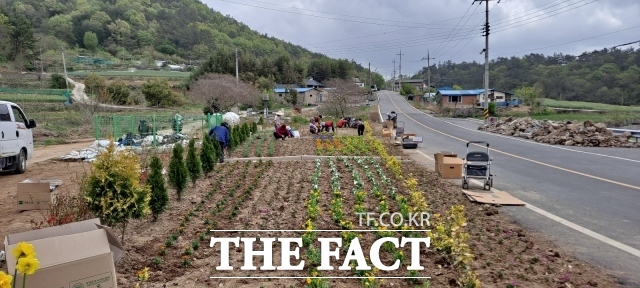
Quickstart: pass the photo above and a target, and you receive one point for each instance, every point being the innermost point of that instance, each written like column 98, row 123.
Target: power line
column 330, row 18
column 336, row 14
column 474, row 11
column 574, row 41
column 454, row 28
column 391, row 47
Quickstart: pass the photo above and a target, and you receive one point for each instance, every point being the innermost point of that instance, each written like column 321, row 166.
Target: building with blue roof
column 473, row 97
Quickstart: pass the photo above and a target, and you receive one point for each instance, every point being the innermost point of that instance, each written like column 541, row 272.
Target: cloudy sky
column 374, row 31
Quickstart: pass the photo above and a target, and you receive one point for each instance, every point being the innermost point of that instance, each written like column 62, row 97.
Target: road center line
column 516, row 156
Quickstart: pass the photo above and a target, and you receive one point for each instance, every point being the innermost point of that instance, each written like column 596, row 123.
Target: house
column 459, row 97
column 497, row 96
column 306, row 96
column 474, row 97
column 418, row 83
column 314, row 84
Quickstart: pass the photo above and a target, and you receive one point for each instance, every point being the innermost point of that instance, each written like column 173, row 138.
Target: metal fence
column 151, row 125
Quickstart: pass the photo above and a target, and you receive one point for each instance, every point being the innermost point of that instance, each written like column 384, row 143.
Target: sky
column 375, row 31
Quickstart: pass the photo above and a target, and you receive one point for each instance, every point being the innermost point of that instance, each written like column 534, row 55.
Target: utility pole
column 64, row 65
column 394, row 73
column 400, row 71
column 41, row 66
column 485, row 100
column 428, row 58
column 237, row 66
column 370, row 78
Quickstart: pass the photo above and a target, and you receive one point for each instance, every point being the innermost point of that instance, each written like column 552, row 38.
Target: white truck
column 16, row 138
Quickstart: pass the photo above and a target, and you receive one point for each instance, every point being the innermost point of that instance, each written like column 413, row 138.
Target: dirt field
column 278, row 196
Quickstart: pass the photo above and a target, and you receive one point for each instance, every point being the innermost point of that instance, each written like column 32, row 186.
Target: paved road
column 597, row 189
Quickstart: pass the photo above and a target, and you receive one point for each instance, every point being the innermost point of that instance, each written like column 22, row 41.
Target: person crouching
column 282, row 132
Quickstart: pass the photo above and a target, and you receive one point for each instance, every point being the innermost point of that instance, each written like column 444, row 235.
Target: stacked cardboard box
column 440, row 156
column 80, row 254
column 451, row 168
column 36, row 194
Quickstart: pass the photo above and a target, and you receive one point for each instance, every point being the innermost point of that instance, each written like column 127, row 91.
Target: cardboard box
column 451, row 168
column 440, row 155
column 35, row 194
column 386, row 132
column 81, row 254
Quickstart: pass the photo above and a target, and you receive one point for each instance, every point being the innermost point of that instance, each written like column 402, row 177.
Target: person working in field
column 277, row 120
column 313, row 129
column 221, row 134
column 282, row 132
column 326, row 125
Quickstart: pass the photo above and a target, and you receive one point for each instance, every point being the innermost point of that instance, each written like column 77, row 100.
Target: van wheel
column 21, row 165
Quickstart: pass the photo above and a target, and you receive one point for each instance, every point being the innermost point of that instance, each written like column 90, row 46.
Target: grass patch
column 588, row 106
column 38, row 98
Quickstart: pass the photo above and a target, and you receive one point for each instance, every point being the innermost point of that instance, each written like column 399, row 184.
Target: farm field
column 469, row 242
column 31, row 98
column 133, row 73
column 588, row 105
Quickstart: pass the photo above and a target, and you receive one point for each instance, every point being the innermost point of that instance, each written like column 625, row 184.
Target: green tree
column 292, row 96
column 119, row 92
column 57, row 81
column 159, row 195
column 113, row 190
column 408, row 89
column 22, row 39
column 90, row 41
column 158, row 93
column 194, row 165
column 529, row 96
column 178, row 173
column 456, row 87
column 207, row 155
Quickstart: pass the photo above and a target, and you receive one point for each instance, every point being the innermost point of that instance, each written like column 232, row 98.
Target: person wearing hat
column 221, row 134
column 277, row 121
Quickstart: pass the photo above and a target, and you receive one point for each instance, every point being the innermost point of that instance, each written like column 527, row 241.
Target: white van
column 16, row 138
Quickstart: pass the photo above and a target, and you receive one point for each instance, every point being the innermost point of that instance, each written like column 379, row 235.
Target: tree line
column 609, row 76
column 181, row 31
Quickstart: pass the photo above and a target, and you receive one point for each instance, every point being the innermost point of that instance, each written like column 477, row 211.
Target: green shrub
column 178, row 173
column 119, row 92
column 194, row 165
column 57, row 81
column 113, row 190
column 157, row 92
column 159, row 195
column 261, row 121
column 492, row 108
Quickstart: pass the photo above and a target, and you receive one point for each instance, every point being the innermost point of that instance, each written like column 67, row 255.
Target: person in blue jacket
column 221, row 133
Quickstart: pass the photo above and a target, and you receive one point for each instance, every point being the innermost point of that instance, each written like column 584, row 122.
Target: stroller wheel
column 465, row 184
column 490, row 183
column 487, row 185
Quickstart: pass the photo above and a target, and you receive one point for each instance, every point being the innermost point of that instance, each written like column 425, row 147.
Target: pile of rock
column 560, row 133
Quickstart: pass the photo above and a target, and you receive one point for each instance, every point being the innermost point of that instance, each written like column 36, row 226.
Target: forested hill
column 606, row 76
column 144, row 30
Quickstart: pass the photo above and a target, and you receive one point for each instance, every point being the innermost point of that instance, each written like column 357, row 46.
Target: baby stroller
column 477, row 165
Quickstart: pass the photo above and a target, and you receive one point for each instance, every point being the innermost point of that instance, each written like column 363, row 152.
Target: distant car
column 16, row 141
